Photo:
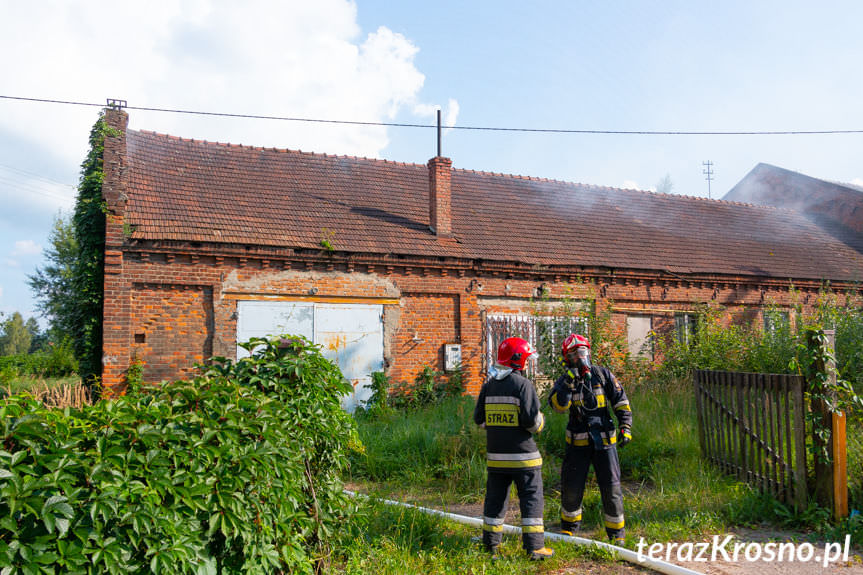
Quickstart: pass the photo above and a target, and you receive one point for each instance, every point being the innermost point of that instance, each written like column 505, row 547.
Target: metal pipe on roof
column 438, row 133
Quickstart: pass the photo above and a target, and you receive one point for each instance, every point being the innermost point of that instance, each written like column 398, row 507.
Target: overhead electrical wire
column 475, row 128
column 37, row 176
column 29, row 187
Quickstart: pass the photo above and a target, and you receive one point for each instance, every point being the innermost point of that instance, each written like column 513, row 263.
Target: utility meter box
column 451, row 356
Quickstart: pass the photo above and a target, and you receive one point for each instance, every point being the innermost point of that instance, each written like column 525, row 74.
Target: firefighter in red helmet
column 590, row 392
column 509, row 410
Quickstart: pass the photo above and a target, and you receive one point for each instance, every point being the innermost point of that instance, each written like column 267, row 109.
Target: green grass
column 435, row 450
column 435, row 457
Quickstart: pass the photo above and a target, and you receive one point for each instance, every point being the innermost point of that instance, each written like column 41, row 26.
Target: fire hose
column 623, row 553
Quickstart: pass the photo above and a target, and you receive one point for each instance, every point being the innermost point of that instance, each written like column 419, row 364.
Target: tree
column 38, row 339
column 665, row 185
column 70, row 287
column 52, row 284
column 16, row 337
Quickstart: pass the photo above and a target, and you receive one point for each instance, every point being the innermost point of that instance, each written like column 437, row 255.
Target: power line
column 32, row 188
column 26, row 173
column 475, row 128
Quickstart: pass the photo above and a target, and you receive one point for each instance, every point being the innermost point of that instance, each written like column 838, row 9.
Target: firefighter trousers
column 573, row 476
column 528, row 484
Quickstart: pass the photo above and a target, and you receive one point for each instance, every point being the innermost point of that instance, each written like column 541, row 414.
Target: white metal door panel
column 352, row 336
column 269, row 318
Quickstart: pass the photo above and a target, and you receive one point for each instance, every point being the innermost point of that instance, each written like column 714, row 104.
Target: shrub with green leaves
column 428, row 388
column 236, row 471
column 53, row 361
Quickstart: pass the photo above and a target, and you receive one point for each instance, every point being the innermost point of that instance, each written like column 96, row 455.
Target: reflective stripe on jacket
column 589, row 405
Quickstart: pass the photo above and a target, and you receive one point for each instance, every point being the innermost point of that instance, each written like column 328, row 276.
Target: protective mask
column 583, row 362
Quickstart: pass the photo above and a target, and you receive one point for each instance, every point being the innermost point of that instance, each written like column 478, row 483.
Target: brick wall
column 172, row 328
column 173, row 308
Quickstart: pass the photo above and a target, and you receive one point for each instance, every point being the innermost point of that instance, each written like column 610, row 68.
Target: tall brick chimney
column 440, row 205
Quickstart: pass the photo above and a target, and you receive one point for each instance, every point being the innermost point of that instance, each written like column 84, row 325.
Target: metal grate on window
column 545, row 333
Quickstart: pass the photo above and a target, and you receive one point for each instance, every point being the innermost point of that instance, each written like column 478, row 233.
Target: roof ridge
column 276, row 149
column 612, row 188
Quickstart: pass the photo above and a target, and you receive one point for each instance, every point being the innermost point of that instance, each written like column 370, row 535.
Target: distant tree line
column 18, row 336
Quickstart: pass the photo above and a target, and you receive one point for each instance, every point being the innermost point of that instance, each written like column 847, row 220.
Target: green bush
column 235, row 471
column 428, row 388
column 54, row 361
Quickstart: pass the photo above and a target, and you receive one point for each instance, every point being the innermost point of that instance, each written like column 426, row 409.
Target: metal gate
column 351, row 335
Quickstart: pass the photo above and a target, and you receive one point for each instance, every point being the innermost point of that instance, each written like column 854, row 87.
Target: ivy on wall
column 89, row 225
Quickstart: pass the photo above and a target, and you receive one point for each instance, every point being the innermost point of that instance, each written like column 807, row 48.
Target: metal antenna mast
column 438, row 132
column 708, row 172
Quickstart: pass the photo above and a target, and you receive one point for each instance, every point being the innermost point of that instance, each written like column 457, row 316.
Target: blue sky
column 572, row 65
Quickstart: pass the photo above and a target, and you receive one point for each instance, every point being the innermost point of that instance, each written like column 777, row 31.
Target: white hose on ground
column 623, row 553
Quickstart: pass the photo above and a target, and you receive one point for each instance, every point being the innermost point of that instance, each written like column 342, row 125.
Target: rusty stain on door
column 352, row 336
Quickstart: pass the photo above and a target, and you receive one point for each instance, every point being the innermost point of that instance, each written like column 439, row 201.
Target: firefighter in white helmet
column 509, row 409
column 590, row 393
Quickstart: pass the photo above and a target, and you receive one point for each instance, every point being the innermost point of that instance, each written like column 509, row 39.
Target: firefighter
column 509, row 410
column 590, row 393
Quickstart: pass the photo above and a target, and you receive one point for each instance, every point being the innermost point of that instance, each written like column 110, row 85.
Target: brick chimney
column 440, row 205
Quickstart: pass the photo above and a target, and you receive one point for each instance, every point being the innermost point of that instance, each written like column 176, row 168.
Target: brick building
column 392, row 265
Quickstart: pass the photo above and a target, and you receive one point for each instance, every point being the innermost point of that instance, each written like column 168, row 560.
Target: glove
column 570, row 380
column 624, row 436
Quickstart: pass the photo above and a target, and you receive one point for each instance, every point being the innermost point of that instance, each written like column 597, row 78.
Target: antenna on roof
column 708, row 175
column 438, row 132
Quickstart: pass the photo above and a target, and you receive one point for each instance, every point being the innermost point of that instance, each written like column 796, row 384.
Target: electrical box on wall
column 451, row 356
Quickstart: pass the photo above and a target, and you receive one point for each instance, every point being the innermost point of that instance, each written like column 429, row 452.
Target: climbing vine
column 89, row 227
column 816, row 363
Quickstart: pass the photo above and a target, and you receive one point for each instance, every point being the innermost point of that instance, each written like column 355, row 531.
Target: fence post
column 838, row 447
column 840, row 467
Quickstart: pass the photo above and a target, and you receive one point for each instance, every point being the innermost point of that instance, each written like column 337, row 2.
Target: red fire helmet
column 572, row 342
column 513, row 352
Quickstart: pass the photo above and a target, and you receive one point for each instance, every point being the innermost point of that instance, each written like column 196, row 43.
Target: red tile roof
column 199, row 191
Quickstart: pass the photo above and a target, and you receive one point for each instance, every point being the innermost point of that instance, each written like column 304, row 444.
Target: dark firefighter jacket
column 590, row 402
column 509, row 409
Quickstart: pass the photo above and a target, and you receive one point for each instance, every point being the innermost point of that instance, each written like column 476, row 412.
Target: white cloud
column 264, row 57
column 26, row 248
column 631, row 185
column 10, row 263
column 857, row 182
column 449, row 115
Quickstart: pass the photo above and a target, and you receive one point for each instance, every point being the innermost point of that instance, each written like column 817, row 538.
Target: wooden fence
column 752, row 425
